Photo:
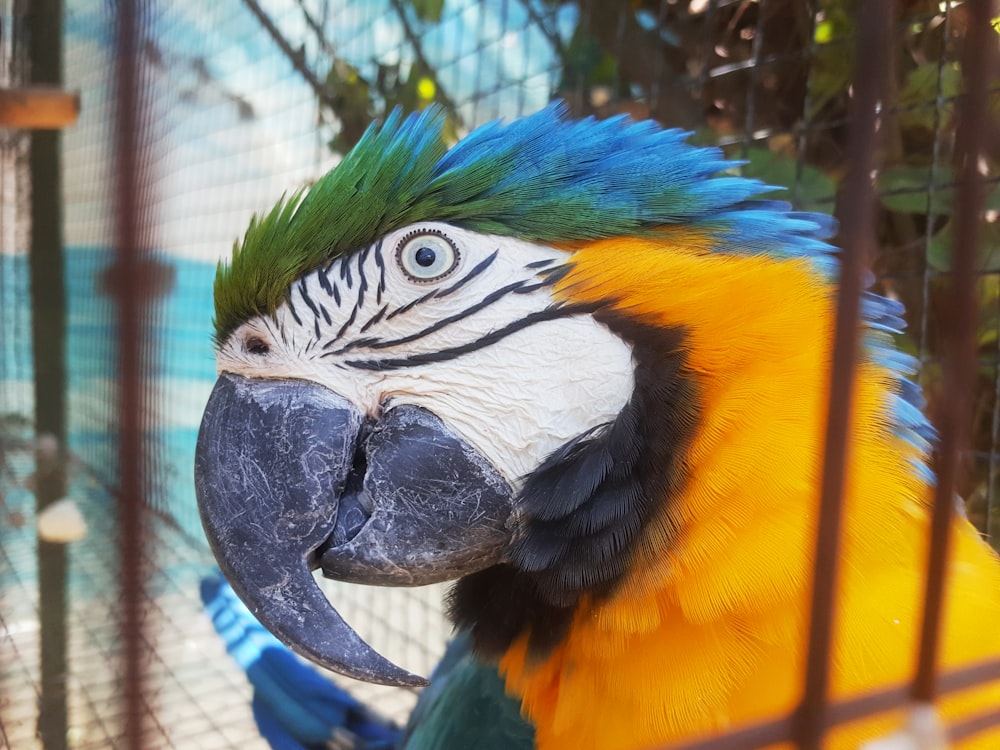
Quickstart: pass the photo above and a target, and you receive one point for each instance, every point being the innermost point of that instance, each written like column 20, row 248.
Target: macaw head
column 488, row 363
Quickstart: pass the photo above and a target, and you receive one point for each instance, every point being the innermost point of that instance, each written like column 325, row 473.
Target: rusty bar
column 127, row 286
column 966, row 677
column 959, row 363
column 898, row 696
column 748, row 737
column 38, row 108
column 974, row 725
column 48, row 343
column 760, row 735
column 857, row 239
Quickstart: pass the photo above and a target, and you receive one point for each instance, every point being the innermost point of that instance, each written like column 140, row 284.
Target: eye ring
column 427, row 255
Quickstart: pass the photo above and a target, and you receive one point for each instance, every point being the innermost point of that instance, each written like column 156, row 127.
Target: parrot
column 580, row 368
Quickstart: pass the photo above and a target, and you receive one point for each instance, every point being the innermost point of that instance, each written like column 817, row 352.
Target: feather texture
column 704, row 625
column 707, row 630
column 549, row 179
column 543, row 177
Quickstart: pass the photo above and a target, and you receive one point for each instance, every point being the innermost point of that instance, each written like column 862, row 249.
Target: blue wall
column 181, row 375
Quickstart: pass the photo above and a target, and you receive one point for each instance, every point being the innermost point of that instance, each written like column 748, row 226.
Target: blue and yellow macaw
column 582, row 369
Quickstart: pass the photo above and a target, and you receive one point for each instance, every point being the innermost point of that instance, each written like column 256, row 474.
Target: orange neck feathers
column 706, row 630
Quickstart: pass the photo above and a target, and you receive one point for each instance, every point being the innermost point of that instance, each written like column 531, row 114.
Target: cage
column 188, row 118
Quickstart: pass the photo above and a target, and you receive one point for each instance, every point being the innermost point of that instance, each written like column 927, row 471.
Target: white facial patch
column 459, row 323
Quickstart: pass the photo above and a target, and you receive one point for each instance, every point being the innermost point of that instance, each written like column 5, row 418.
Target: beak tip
column 364, row 664
column 408, row 679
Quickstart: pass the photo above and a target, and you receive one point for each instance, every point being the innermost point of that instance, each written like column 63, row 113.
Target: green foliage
column 923, row 192
column 356, row 98
column 353, row 98
column 926, row 99
column 833, row 58
column 428, row 10
column 359, row 101
column 917, row 189
column 940, row 245
column 586, row 65
column 812, row 188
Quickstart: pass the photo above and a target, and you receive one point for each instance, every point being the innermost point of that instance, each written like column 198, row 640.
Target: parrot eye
column 427, row 256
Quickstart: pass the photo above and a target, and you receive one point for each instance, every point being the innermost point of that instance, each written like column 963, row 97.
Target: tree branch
column 296, row 57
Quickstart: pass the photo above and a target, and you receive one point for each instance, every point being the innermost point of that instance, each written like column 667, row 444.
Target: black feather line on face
column 440, row 323
column 588, row 503
column 324, row 280
column 380, row 262
column 440, row 293
column 362, row 279
column 293, row 311
column 375, row 318
column 443, row 355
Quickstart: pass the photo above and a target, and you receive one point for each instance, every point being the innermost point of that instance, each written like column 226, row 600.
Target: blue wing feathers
column 296, row 707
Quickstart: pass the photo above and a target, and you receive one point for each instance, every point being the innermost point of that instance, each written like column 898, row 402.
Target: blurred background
column 244, row 100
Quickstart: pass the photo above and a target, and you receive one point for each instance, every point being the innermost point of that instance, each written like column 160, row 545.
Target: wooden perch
column 38, row 108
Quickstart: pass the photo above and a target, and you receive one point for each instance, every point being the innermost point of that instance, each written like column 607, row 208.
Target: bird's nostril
column 351, row 516
column 353, row 512
column 355, row 506
column 257, row 346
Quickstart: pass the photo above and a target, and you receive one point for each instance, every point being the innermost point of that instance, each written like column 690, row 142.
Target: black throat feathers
column 588, row 503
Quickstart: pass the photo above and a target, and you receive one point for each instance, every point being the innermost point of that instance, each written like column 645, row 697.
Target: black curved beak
column 290, row 476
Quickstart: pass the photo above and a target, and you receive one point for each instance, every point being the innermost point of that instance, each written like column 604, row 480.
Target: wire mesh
column 250, row 99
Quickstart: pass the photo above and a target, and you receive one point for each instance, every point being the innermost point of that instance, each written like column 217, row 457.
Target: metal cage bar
column 815, row 716
column 858, row 242
column 134, row 285
column 131, row 286
column 48, row 325
column 960, row 361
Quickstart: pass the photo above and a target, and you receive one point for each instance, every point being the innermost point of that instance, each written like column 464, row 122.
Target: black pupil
column 425, row 257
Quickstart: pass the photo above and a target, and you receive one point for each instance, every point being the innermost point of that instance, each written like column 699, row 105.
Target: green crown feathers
column 543, row 178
